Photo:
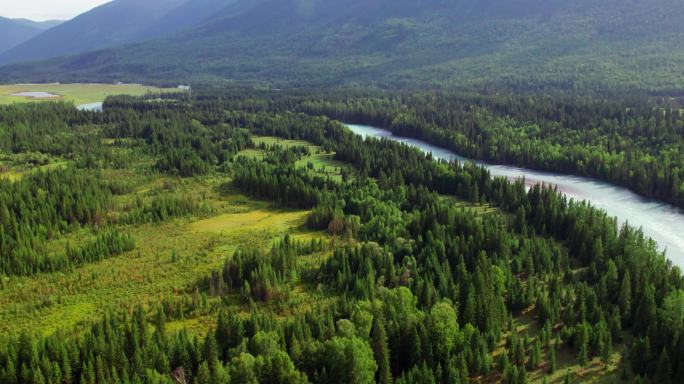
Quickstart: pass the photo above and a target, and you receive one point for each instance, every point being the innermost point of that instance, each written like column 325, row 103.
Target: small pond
column 37, row 95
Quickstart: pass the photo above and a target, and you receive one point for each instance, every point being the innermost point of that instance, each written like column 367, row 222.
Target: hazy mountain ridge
column 42, row 25
column 14, row 32
column 187, row 15
column 111, row 24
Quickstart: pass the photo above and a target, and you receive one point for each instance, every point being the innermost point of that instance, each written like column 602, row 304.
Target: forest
column 396, row 268
column 633, row 142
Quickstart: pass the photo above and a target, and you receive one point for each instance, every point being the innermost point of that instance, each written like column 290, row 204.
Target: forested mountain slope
column 582, row 43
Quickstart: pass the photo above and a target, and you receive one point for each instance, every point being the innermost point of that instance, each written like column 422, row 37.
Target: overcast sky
column 40, row 10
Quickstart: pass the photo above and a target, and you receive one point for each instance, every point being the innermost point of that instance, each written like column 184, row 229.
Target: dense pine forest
column 635, row 143
column 244, row 236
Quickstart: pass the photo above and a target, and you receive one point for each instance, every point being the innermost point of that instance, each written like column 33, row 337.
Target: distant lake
column 662, row 222
column 37, row 95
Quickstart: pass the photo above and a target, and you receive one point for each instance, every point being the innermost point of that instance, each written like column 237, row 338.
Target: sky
column 40, row 10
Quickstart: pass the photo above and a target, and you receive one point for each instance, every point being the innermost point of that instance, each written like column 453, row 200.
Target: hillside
column 41, row 25
column 584, row 43
column 110, row 24
column 14, row 32
column 187, row 15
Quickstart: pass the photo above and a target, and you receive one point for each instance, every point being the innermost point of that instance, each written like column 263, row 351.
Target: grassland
column 170, row 258
column 75, row 93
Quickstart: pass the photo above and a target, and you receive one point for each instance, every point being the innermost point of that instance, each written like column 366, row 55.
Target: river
column 97, row 107
column 662, row 222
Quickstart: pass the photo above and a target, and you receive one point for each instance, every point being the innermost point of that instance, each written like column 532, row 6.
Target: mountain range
column 560, row 43
column 111, row 24
column 17, row 31
column 40, row 25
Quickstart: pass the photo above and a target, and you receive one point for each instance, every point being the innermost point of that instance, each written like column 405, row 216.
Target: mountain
column 187, row 15
column 567, row 44
column 41, row 25
column 113, row 23
column 15, row 32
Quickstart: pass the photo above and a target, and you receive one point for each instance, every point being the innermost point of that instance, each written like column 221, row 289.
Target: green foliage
column 106, row 244
column 631, row 143
column 261, row 276
column 164, row 207
column 348, row 360
column 290, row 186
column 44, row 205
column 419, row 289
column 381, row 352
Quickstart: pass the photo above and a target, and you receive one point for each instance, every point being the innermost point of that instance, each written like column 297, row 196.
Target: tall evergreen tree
column 381, row 351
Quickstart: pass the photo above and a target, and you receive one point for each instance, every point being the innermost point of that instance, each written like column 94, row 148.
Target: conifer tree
column 381, row 352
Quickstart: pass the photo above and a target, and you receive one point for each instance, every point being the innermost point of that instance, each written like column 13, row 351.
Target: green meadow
column 73, row 93
column 170, row 257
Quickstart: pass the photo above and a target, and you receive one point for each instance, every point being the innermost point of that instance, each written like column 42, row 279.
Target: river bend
column 661, row 221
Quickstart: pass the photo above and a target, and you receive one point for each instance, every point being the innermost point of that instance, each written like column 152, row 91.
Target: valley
column 341, row 191
column 203, row 207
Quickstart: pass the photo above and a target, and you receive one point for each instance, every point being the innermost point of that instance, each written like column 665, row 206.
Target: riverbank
column 660, row 221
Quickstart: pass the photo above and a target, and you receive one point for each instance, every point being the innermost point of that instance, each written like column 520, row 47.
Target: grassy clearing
column 320, row 161
column 272, row 140
column 75, row 93
column 13, row 172
column 261, row 220
column 479, row 209
column 169, row 258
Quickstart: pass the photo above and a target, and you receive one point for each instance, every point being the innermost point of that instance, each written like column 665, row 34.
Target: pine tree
column 567, row 378
column 583, row 355
column 552, row 358
column 606, row 348
column 381, row 352
column 160, row 322
column 522, row 375
column 535, row 357
column 663, row 373
column 640, row 355
column 625, row 297
column 646, row 311
column 582, row 341
column 203, row 375
column 504, row 362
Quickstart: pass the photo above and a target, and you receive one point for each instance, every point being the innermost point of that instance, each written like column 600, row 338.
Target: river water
column 662, row 222
column 96, row 107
